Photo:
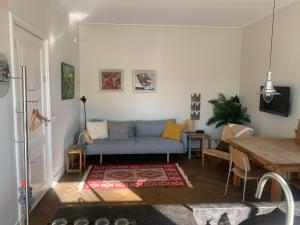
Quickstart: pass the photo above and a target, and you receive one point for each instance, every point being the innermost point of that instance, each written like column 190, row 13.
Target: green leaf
column 227, row 111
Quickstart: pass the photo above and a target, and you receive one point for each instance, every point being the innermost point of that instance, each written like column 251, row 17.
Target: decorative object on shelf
column 228, row 111
column 111, row 80
column 190, row 125
column 83, row 99
column 268, row 91
column 4, row 75
column 144, row 81
column 297, row 131
column 67, row 81
column 195, row 106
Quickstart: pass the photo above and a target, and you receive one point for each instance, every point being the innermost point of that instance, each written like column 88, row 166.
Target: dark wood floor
column 208, row 186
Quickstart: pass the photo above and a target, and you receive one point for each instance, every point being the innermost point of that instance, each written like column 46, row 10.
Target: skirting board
column 19, row 222
column 58, row 176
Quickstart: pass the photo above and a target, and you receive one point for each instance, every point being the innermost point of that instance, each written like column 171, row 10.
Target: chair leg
column 244, row 190
column 84, row 160
column 228, row 177
column 168, row 157
column 80, row 162
column 68, row 163
column 101, row 159
column 203, row 155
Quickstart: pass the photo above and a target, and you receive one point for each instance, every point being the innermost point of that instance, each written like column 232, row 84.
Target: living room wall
column 50, row 18
column 188, row 60
column 285, row 68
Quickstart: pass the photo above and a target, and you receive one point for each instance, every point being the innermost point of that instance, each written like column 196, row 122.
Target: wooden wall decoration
column 195, row 106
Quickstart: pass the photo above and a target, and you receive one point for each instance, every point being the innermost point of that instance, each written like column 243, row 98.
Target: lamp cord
column 272, row 35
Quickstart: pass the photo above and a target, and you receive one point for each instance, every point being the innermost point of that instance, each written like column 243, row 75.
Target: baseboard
column 58, row 176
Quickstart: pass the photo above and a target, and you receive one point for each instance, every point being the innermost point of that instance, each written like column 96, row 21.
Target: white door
column 30, row 52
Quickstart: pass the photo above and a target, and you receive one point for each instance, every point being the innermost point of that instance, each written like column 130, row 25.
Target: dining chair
column 239, row 164
column 221, row 151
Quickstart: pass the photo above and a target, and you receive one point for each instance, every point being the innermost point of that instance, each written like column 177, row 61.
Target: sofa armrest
column 184, row 141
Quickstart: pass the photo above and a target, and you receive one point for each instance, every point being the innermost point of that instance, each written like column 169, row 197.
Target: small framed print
column 111, row 80
column 67, row 81
column 144, row 81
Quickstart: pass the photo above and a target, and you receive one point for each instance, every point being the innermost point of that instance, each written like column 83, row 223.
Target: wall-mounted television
column 280, row 105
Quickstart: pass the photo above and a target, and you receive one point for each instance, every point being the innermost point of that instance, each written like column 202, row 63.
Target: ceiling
column 210, row 13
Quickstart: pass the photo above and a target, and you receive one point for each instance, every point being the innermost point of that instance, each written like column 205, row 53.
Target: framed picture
column 4, row 69
column 67, row 81
column 144, row 81
column 111, row 80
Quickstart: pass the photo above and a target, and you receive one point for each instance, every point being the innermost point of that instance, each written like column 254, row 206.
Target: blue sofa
column 144, row 137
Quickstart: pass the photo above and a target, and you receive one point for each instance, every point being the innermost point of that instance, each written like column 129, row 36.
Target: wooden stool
column 73, row 151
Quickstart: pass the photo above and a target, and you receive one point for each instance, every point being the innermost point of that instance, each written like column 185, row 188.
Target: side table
column 196, row 136
column 73, row 151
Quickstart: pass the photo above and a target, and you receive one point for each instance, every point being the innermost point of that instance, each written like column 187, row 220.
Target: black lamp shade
column 83, row 99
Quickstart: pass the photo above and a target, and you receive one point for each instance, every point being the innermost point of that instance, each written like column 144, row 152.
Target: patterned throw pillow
column 173, row 131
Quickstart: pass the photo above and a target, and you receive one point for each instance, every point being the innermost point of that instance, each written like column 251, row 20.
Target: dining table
column 279, row 155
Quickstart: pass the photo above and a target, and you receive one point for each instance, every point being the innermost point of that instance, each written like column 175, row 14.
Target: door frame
column 14, row 21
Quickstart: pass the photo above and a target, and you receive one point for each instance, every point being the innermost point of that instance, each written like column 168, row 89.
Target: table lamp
column 190, row 126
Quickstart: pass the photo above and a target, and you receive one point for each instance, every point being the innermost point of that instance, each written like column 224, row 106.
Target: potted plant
column 228, row 111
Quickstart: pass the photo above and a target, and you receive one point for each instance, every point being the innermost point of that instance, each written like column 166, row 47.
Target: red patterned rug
column 134, row 176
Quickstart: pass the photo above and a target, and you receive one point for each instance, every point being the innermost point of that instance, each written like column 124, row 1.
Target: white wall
column 286, row 68
column 188, row 60
column 50, row 18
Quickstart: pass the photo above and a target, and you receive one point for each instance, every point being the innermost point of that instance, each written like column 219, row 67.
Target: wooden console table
column 275, row 154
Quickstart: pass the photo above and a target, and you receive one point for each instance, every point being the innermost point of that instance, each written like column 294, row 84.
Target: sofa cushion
column 157, row 145
column 111, row 147
column 118, row 130
column 173, row 131
column 150, row 128
column 131, row 128
column 97, row 130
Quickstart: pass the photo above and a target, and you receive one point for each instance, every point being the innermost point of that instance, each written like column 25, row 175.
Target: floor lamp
column 83, row 99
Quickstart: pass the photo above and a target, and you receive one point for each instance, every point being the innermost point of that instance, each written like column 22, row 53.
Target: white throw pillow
column 98, row 130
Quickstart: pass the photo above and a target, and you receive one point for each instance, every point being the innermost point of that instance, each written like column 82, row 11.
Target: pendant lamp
column 268, row 91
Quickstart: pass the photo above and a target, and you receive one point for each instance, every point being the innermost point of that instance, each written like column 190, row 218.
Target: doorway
column 30, row 49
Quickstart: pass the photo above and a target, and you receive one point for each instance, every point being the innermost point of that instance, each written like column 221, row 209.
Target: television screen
column 280, row 105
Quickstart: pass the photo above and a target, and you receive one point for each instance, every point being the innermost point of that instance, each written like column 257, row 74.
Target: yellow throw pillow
column 173, row 131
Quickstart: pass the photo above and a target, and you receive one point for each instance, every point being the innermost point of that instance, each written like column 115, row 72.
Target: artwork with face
column 144, row 80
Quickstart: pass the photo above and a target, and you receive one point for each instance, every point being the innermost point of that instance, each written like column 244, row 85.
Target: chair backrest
column 239, row 159
column 236, row 131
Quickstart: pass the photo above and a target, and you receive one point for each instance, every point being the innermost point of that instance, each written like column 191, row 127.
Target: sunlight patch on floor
column 69, row 194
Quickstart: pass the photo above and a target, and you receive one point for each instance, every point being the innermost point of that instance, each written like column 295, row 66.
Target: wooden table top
column 274, row 152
